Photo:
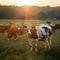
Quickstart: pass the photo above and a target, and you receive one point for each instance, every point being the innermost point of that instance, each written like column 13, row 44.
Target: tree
column 42, row 15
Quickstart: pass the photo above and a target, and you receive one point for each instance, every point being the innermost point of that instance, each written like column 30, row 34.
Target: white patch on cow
column 38, row 32
column 49, row 27
column 18, row 28
column 46, row 25
column 28, row 28
column 42, row 30
column 29, row 32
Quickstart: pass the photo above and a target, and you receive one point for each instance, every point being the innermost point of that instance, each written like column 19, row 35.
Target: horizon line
column 29, row 5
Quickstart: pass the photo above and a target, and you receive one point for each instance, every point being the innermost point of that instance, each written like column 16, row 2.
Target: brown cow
column 15, row 29
column 4, row 28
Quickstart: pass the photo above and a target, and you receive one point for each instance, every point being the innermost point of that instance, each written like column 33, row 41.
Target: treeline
column 29, row 12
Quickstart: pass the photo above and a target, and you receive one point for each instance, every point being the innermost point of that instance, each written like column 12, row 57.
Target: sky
column 52, row 3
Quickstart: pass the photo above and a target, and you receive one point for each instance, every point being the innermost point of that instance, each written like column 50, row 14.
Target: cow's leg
column 49, row 42
column 36, row 42
column 46, row 43
column 9, row 36
column 30, row 44
column 15, row 36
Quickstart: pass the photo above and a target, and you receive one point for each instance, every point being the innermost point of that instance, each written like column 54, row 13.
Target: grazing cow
column 14, row 30
column 42, row 32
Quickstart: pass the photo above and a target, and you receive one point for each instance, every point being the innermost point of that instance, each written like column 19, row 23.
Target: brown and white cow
column 41, row 32
column 15, row 29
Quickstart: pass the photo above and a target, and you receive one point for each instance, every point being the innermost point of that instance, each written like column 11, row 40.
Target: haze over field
column 31, row 2
column 30, row 9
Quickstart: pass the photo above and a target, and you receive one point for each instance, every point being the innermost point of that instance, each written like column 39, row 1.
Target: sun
column 25, row 2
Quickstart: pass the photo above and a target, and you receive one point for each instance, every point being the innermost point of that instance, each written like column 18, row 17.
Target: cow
column 4, row 28
column 15, row 29
column 42, row 32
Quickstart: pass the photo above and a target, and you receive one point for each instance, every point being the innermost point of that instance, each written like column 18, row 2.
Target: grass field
column 19, row 49
column 22, row 21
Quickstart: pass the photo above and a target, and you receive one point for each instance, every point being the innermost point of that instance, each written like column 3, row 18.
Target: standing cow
column 41, row 32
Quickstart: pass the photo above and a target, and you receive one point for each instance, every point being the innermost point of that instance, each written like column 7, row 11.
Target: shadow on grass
column 23, row 54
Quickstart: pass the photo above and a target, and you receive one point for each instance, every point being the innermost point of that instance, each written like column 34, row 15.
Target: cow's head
column 32, row 32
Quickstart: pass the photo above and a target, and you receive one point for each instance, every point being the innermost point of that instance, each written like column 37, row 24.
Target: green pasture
column 23, row 21
column 19, row 49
